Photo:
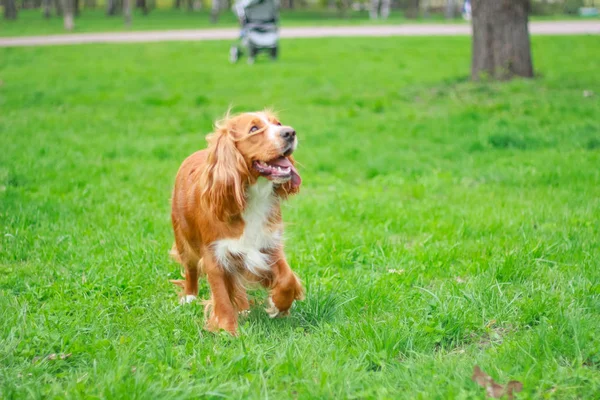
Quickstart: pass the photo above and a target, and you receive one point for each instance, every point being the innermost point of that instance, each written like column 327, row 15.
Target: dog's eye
column 253, row 129
column 278, row 123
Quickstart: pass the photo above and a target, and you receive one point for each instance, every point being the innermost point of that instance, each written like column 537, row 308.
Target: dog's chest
column 250, row 250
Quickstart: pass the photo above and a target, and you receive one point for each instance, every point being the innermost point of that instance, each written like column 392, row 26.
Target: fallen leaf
column 492, row 388
column 52, row 356
column 65, row 356
column 491, row 323
column 513, row 386
column 460, row 280
column 588, row 93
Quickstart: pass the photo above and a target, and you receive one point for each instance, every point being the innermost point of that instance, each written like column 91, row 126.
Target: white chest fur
column 258, row 234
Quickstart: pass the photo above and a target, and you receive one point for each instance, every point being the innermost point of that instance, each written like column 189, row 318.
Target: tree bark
column 379, row 8
column 450, row 9
column 68, row 20
column 47, row 4
column 112, row 7
column 127, row 12
column 215, row 11
column 10, row 9
column 501, row 46
column 412, row 10
column 59, row 7
column 76, row 7
column 143, row 4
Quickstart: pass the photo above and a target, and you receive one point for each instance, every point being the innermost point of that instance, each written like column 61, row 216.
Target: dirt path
column 536, row 28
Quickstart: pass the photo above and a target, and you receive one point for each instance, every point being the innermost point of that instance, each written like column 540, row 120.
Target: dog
column 227, row 219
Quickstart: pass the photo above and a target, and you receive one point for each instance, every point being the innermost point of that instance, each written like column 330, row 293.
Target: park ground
column 31, row 22
column 442, row 224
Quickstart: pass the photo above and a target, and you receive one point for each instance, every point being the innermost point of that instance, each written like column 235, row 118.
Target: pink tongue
column 285, row 162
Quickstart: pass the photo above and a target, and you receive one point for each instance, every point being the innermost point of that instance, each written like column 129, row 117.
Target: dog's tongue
column 285, row 162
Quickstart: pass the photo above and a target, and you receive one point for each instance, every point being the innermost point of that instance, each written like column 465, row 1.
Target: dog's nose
column 287, row 133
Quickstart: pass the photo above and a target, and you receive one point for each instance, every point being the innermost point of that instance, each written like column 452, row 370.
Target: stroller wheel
column 252, row 51
column 234, row 54
column 274, row 52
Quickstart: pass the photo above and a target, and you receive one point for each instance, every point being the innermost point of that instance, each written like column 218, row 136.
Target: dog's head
column 242, row 149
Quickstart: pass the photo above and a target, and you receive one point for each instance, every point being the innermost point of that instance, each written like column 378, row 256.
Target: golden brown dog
column 227, row 219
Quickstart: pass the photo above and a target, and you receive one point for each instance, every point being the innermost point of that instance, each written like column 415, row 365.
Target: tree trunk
column 501, row 47
column 112, row 7
column 424, row 6
column 216, row 9
column 450, row 8
column 68, row 19
column 90, row 4
column 47, row 4
column 374, row 11
column 143, row 4
column 76, row 7
column 10, row 9
column 59, row 7
column 413, row 9
column 127, row 12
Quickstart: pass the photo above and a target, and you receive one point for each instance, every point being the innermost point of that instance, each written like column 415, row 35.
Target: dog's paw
column 273, row 311
column 187, row 299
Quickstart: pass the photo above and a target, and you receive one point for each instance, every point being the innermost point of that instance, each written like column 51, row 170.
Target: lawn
column 31, row 22
column 442, row 224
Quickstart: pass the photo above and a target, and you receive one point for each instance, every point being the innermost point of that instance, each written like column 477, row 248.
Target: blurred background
column 449, row 213
column 46, row 16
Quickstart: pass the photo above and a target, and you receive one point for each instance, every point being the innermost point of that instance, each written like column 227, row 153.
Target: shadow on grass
column 321, row 306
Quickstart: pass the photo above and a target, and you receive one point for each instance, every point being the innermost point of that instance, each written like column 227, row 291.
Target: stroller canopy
column 257, row 11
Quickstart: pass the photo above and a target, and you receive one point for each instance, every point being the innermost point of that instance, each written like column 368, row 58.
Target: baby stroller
column 259, row 20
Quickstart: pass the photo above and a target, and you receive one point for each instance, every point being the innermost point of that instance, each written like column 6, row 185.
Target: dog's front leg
column 285, row 288
column 223, row 314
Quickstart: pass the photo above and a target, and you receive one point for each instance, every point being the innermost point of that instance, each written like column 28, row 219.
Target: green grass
column 441, row 224
column 31, row 22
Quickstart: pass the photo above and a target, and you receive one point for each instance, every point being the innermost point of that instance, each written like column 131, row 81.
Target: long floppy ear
column 288, row 188
column 223, row 181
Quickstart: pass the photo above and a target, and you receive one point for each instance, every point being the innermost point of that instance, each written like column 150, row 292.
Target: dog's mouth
column 279, row 170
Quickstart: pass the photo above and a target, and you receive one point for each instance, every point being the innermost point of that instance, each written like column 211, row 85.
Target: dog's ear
column 224, row 179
